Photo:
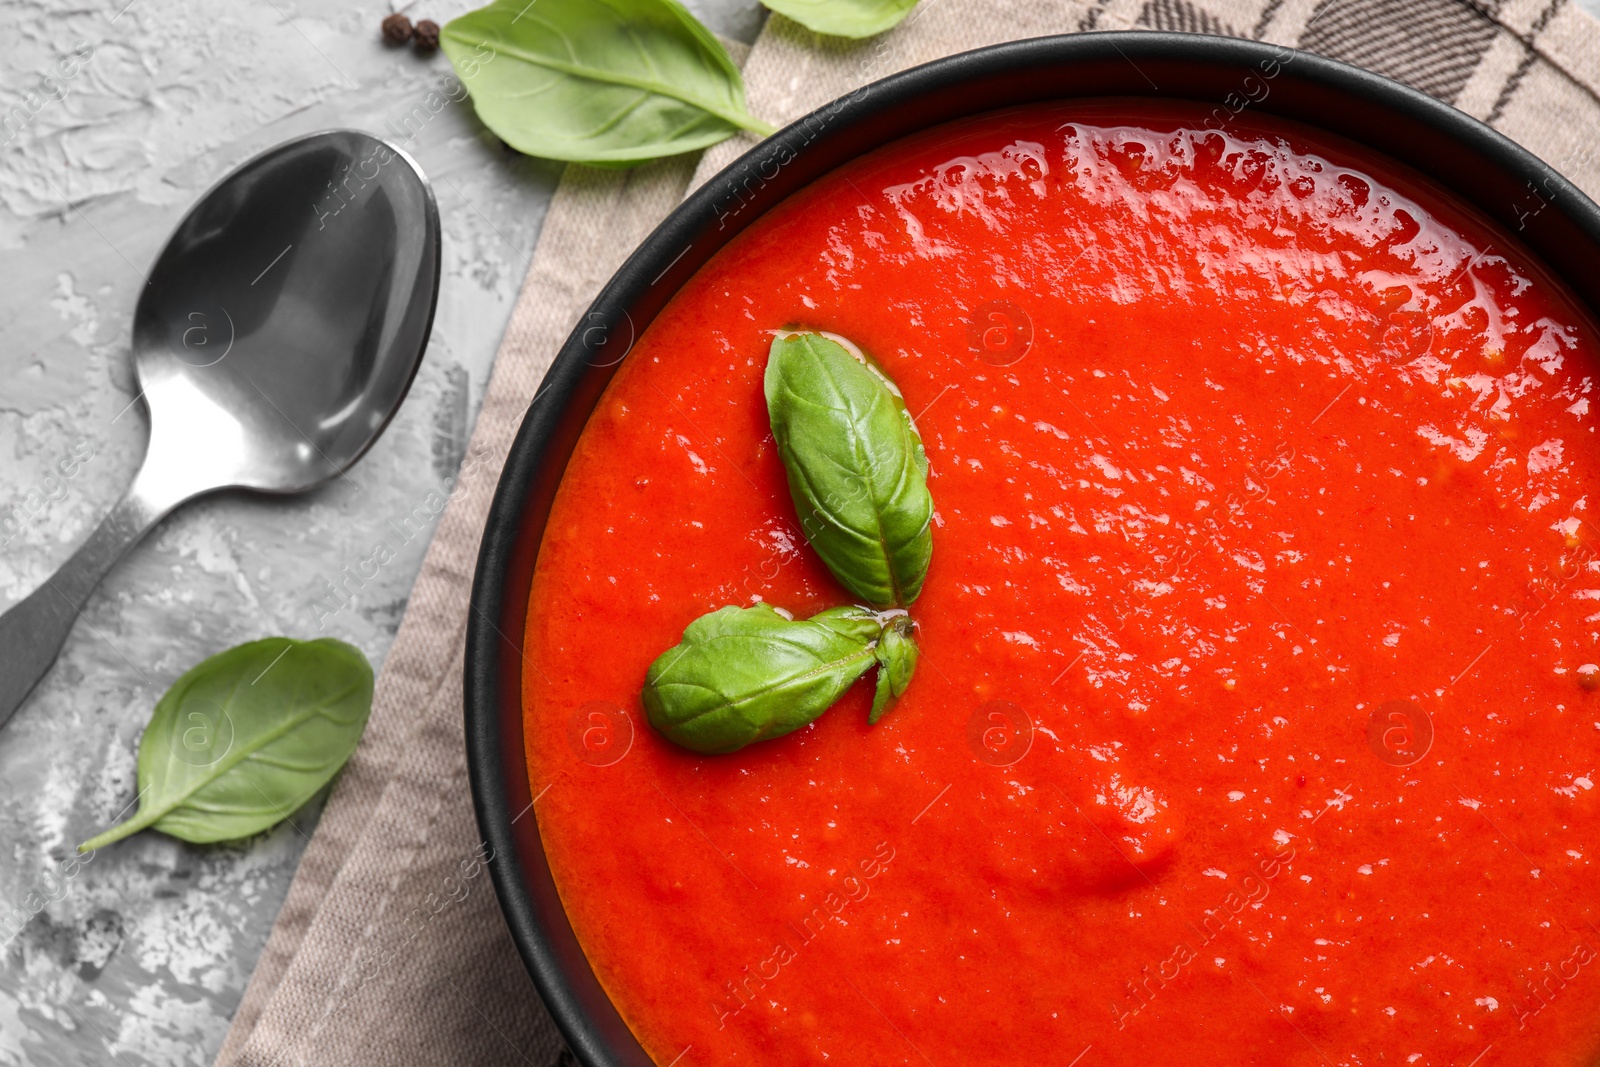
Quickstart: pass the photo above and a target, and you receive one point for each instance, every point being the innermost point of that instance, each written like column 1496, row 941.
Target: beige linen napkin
column 390, row 949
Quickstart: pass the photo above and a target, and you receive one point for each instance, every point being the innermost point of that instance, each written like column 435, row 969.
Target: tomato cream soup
column 1256, row 718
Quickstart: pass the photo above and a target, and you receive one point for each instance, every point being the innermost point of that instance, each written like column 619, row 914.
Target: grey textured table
column 141, row 955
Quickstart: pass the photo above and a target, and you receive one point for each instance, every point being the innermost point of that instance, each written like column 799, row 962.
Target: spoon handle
column 33, row 630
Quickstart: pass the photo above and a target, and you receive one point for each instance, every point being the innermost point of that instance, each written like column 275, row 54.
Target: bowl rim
column 1556, row 222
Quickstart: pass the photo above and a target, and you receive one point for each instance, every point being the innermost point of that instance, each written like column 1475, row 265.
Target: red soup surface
column 1256, row 720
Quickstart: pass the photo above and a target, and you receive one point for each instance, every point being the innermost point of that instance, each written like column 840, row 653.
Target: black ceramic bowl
column 1526, row 196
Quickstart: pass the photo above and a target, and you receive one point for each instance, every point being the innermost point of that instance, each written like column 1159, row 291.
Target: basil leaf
column 246, row 737
column 746, row 674
column 896, row 654
column 610, row 82
column 844, row 18
column 857, row 469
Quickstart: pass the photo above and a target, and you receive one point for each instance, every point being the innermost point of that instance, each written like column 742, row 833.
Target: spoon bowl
column 276, row 336
column 286, row 316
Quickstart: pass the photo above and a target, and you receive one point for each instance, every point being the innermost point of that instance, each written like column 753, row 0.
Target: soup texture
column 1256, row 717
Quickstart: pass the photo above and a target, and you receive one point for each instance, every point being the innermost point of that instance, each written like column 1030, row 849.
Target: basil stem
column 856, row 465
column 896, row 654
column 746, row 674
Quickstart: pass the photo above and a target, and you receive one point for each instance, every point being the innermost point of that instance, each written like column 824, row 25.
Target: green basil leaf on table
column 608, row 82
column 856, row 465
column 844, row 18
column 896, row 653
column 246, row 737
column 747, row 674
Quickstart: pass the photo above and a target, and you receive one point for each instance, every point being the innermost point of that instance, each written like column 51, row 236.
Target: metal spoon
column 277, row 334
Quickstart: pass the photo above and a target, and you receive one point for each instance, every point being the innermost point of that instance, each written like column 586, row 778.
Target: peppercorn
column 397, row 28
column 426, row 35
